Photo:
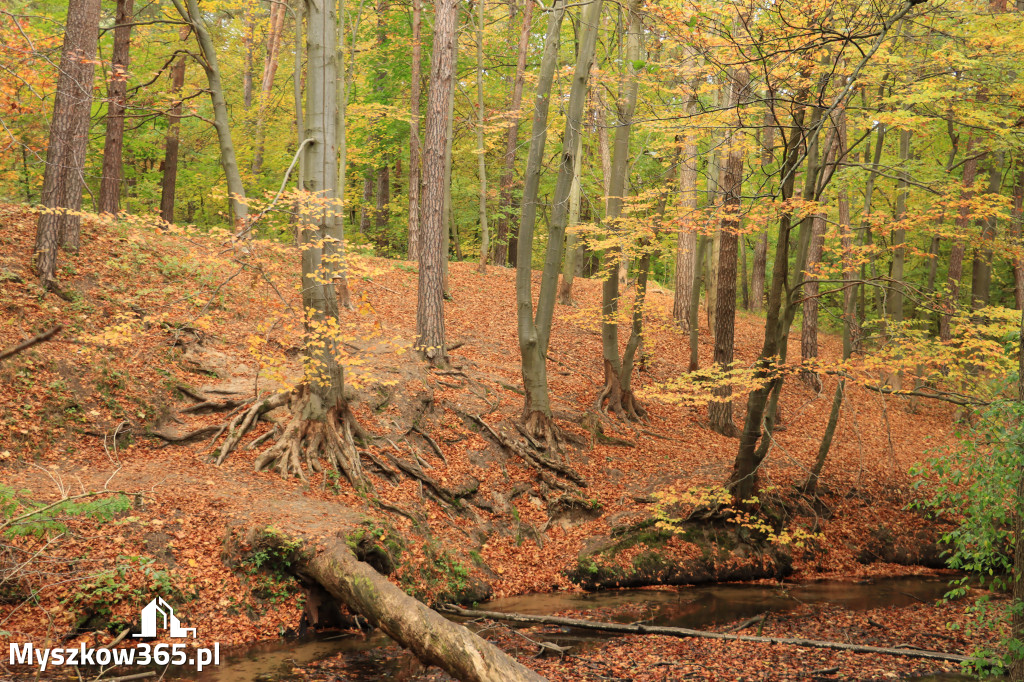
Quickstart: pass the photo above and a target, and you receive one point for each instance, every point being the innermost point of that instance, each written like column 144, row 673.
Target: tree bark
column 743, row 481
column 720, row 409
column 117, row 89
column 414, row 134
column 571, row 238
column 430, row 339
column 761, row 247
column 69, row 138
column 190, row 13
column 981, row 266
column 1017, row 230
column 617, row 389
column 336, row 247
column 168, row 184
column 431, row 637
column 481, row 149
column 507, row 230
column 274, row 33
column 686, row 242
column 956, row 254
column 534, row 332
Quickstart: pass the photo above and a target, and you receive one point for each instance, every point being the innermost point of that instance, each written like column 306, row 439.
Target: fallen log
column 638, row 629
column 434, row 639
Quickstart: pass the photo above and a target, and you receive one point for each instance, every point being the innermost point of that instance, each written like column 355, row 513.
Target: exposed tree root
column 616, row 400
column 208, row 406
column 190, row 437
column 311, row 433
column 534, row 460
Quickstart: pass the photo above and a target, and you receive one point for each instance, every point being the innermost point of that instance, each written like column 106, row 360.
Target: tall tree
column 720, row 410
column 117, row 90
column 505, row 244
column 169, row 182
column 534, row 330
column 69, row 137
column 414, row 133
column 275, row 32
column 430, row 294
column 190, row 13
column 481, row 149
column 617, row 390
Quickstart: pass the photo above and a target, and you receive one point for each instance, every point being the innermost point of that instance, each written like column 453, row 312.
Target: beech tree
column 618, row 373
column 534, row 329
column 190, row 13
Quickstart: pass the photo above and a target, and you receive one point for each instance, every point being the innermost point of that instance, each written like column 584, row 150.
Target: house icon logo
column 159, row 614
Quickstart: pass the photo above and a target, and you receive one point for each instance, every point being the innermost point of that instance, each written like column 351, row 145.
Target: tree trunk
column 113, row 167
column 867, row 238
column 720, row 409
column 686, row 242
column 981, row 265
column 249, row 56
column 743, row 481
column 534, row 332
column 274, row 33
column 850, row 331
column 1017, row 229
column 481, row 150
column 336, row 247
column 383, row 212
column 430, row 294
column 69, row 129
column 222, row 124
column 956, row 254
column 448, row 235
column 430, row 636
column 505, row 246
column 761, row 248
column 693, row 315
column 414, row 134
column 575, row 197
column 894, row 302
column 170, row 166
column 1017, row 617
column 617, row 390
column 366, row 208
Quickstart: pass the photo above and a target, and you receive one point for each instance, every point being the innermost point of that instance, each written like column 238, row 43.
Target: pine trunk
column 69, row 128
column 117, row 90
column 720, row 410
column 430, row 294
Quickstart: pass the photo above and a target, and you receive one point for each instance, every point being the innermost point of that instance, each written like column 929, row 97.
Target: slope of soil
column 151, row 318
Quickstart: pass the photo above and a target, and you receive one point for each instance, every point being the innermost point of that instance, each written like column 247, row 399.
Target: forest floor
column 154, row 322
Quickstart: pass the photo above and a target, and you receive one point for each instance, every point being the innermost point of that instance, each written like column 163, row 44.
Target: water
column 689, row 607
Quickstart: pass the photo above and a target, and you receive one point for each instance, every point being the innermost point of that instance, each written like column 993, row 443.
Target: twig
column 28, row 343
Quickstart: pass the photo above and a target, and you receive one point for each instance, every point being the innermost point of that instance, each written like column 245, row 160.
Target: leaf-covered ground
column 149, row 313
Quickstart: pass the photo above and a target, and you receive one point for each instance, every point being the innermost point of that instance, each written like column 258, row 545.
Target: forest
column 511, row 340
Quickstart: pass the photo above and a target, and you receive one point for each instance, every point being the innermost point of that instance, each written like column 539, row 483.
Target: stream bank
column 375, row 657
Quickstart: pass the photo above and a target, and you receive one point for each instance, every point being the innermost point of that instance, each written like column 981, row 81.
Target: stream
column 689, row 607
